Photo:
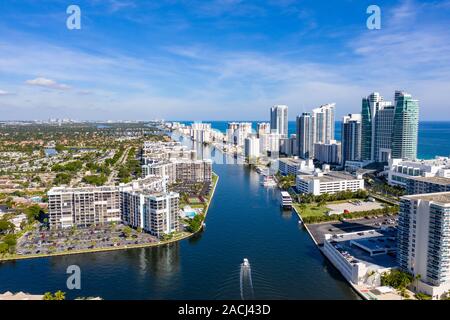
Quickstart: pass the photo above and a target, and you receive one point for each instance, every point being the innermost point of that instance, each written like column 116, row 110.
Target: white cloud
column 48, row 83
column 4, row 93
column 218, row 83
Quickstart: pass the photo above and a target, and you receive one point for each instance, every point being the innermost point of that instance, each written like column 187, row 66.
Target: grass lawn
column 311, row 210
column 194, row 200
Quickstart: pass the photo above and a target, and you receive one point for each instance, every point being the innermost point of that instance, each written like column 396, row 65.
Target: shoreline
column 134, row 246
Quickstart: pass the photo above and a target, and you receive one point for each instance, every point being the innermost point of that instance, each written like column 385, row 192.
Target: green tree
column 127, row 231
column 6, row 226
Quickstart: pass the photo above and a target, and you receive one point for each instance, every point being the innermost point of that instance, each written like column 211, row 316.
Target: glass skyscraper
column 279, row 120
column 305, row 136
column 351, row 138
column 389, row 130
column 405, row 127
column 377, row 118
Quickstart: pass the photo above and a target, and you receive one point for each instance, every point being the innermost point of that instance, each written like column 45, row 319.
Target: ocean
column 434, row 136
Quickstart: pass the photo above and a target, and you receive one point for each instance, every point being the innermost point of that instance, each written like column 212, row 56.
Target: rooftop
column 435, row 179
column 329, row 176
column 439, row 197
column 355, row 246
column 291, row 161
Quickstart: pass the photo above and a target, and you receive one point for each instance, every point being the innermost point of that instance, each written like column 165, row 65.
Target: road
column 114, row 171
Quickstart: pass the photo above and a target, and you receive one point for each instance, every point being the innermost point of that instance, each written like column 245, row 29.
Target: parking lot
column 54, row 241
column 355, row 206
column 319, row 230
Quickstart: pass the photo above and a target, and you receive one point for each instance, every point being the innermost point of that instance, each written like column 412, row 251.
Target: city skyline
column 135, row 61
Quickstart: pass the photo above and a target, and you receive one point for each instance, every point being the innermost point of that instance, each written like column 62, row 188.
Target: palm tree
column 416, row 280
column 59, row 295
column 48, row 296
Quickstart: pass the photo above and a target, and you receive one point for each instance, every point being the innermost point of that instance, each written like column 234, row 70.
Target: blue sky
column 218, row 59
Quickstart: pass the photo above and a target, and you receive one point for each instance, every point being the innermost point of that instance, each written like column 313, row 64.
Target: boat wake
column 246, row 282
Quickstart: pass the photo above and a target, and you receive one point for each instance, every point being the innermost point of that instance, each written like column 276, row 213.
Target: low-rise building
column 329, row 182
column 362, row 257
column 292, row 166
column 400, row 171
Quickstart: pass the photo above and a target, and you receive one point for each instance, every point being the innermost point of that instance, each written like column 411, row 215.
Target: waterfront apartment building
column 251, row 147
column 201, row 132
column 420, row 185
column 155, row 213
column 424, row 241
column 185, row 171
column 351, row 138
column 270, row 143
column 144, row 203
column 82, row 207
column 279, row 120
column 237, row 132
column 405, row 127
column 328, row 182
column 262, row 128
column 156, row 151
column 305, row 136
column 400, row 171
column 328, row 152
column 323, row 123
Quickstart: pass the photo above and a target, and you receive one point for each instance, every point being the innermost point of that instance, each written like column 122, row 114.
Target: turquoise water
column 434, row 136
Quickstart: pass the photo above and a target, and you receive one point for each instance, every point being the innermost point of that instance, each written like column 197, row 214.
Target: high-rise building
column 405, row 127
column 305, row 136
column 423, row 242
column 279, row 120
column 237, row 132
column 288, row 146
column 262, row 128
column 155, row 213
column 384, row 121
column 323, row 123
column 371, row 105
column 389, row 130
column 270, row 143
column 314, row 128
column 251, row 147
column 351, row 138
column 82, row 207
column 328, row 152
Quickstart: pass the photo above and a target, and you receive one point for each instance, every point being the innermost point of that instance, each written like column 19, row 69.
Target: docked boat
column 286, row 200
column 269, row 181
